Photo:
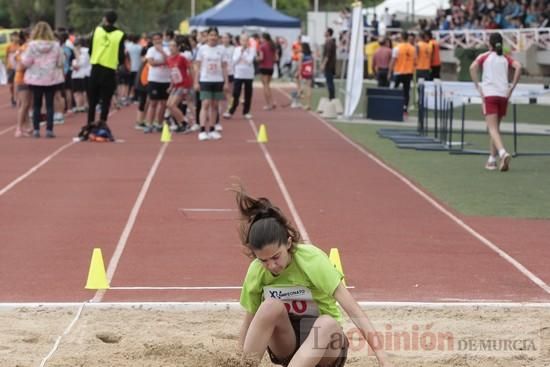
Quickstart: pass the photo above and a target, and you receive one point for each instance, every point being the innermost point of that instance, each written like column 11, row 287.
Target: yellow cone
column 166, row 136
column 97, row 278
column 334, row 257
column 262, row 134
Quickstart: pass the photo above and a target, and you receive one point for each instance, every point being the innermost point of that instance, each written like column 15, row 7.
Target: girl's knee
column 271, row 308
column 326, row 325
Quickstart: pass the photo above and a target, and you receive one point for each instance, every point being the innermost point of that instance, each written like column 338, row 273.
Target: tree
column 23, row 13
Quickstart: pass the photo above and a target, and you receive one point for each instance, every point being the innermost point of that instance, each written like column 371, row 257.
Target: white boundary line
column 67, row 331
column 522, row 269
column 2, row 132
column 41, row 163
column 282, row 187
column 204, row 288
column 206, row 210
column 218, row 306
column 35, row 168
column 113, row 263
column 174, row 288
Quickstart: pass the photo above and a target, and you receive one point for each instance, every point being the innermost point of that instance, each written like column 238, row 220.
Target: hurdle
column 426, row 138
column 515, row 134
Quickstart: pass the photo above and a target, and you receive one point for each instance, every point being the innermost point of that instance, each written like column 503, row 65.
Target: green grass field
column 535, row 114
column 461, row 182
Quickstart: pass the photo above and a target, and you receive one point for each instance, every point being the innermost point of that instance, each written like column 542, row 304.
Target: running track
column 130, row 199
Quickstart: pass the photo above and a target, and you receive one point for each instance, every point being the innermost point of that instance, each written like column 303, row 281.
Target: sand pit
column 172, row 336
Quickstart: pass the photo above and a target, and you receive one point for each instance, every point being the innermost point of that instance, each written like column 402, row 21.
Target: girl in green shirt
column 290, row 294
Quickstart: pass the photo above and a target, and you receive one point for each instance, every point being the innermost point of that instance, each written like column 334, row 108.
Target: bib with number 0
column 298, row 300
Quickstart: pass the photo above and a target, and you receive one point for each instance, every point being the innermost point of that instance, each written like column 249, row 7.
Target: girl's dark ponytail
column 496, row 43
column 262, row 223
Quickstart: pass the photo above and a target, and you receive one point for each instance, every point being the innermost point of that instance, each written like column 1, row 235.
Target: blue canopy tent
column 240, row 13
column 251, row 16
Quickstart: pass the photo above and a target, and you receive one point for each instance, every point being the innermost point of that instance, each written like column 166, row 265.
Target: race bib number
column 176, row 76
column 297, row 300
column 212, row 68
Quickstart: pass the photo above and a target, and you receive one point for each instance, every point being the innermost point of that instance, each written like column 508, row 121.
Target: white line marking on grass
column 282, row 187
column 35, row 168
column 67, row 331
column 113, row 263
column 2, row 132
column 522, row 269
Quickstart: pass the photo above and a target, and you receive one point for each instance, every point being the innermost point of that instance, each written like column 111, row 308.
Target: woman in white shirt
column 81, row 72
column 211, row 79
column 159, row 82
column 243, row 61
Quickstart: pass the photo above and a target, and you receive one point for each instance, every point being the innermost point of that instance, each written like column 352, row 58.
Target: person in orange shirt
column 424, row 57
column 296, row 55
column 24, row 95
column 402, row 66
column 10, row 63
column 436, row 59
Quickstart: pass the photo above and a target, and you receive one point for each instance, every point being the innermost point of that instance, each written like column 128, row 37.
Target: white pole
column 193, row 8
column 316, row 6
column 274, row 4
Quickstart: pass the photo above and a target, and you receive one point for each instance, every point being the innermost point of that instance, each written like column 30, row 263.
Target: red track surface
column 394, row 244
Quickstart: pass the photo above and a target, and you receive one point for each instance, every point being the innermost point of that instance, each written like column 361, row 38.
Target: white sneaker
column 248, row 116
column 58, row 118
column 194, row 127
column 226, row 115
column 203, row 135
column 214, row 135
column 218, row 127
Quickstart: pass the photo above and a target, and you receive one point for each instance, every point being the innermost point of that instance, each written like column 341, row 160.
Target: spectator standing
column 424, row 57
column 402, row 66
column 158, row 83
column 106, row 53
column 243, row 59
column 381, row 62
column 436, row 58
column 328, row 64
column 134, row 54
column 267, row 57
column 43, row 60
column 80, row 75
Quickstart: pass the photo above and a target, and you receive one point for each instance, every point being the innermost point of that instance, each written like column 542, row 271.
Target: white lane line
column 2, row 132
column 35, row 168
column 282, row 187
column 213, row 306
column 516, row 264
column 113, row 263
column 206, row 210
column 41, row 163
column 65, row 332
column 205, row 288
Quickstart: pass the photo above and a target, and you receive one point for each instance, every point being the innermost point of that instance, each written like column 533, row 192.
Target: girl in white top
column 243, row 61
column 211, row 78
column 159, row 82
column 495, row 92
column 81, row 72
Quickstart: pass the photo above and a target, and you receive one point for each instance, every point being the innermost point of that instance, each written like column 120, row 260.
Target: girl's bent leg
column 270, row 327
column 323, row 345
